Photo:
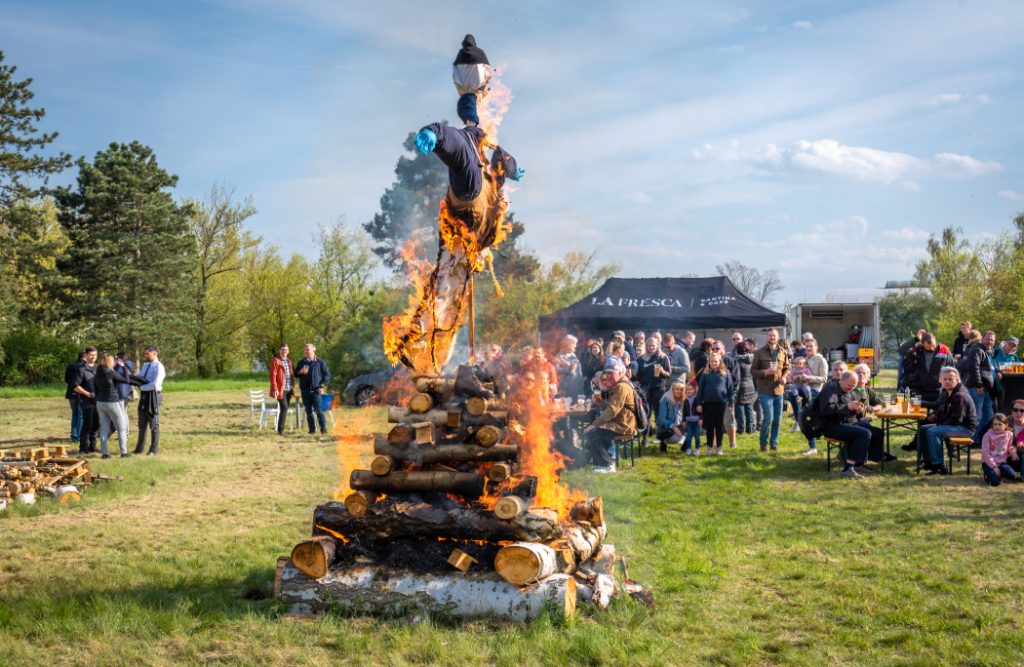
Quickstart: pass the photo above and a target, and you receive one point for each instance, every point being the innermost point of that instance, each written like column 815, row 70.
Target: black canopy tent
column 670, row 304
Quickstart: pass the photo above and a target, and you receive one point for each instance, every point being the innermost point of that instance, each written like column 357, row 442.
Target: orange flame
column 335, row 533
column 354, row 448
column 536, row 455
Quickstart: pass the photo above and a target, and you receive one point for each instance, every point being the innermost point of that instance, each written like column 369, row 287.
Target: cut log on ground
column 315, row 555
column 459, row 453
column 391, row 519
column 382, row 591
column 467, row 484
column 525, row 562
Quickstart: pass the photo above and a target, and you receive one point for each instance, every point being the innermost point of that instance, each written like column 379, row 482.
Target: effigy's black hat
column 470, row 53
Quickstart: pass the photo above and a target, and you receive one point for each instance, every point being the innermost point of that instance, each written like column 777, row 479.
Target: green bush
column 34, row 357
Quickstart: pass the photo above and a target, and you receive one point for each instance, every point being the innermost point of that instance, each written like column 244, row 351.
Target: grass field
column 755, row 559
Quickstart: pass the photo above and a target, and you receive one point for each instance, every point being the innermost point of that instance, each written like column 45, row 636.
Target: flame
column 536, row 416
column 335, row 533
column 423, row 336
column 354, row 448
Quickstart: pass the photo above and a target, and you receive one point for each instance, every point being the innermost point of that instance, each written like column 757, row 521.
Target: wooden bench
column 623, row 441
column 831, row 444
column 956, row 447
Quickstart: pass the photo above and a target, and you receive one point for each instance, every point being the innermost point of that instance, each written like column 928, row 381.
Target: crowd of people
column 701, row 395
column 99, row 388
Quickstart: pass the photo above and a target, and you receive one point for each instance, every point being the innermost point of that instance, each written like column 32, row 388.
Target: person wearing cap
column 618, row 417
column 1005, row 354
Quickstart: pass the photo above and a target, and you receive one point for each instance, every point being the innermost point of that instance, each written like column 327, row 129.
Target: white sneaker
column 718, row 452
column 601, row 470
column 810, row 452
column 696, row 451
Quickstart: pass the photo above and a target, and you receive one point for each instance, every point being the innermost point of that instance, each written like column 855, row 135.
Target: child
column 693, row 422
column 798, row 389
column 996, row 446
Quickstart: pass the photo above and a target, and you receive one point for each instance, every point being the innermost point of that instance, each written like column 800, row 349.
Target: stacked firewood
column 444, row 520
column 28, row 472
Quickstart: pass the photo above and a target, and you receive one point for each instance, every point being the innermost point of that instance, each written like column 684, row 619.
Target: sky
column 825, row 140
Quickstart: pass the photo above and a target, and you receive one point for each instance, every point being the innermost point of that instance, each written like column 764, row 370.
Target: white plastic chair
column 255, row 401
column 271, row 410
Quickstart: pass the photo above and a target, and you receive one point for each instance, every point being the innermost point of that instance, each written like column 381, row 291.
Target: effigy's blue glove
column 518, row 174
column 426, row 141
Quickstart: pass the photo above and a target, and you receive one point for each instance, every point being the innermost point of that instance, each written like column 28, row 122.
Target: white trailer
column 832, row 325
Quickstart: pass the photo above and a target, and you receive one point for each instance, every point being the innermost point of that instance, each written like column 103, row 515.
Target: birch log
column 525, row 562
column 315, row 555
column 457, row 453
column 467, row 484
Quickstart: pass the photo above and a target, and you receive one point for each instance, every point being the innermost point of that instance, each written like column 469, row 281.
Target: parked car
column 363, row 389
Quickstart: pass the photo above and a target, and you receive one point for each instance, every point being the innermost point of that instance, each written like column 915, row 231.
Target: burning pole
column 460, row 509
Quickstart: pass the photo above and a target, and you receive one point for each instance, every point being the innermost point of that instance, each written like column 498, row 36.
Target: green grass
column 171, row 384
column 755, row 559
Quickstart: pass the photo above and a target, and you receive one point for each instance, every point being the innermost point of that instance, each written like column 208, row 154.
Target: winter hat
column 470, row 54
column 466, row 108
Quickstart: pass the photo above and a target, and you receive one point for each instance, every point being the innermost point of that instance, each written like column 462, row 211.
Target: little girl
column 996, row 446
column 691, row 445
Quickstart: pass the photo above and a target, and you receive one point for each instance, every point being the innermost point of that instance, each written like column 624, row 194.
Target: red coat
column 277, row 377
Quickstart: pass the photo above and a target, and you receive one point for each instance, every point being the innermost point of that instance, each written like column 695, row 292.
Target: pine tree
column 131, row 253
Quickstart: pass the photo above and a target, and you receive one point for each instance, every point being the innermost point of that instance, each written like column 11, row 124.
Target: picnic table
column 901, row 417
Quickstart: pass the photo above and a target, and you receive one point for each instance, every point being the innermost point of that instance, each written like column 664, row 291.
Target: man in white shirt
column 149, row 404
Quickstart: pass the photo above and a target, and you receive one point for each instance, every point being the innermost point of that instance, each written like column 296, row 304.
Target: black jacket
column 921, row 376
column 835, row 404
column 977, row 367
column 107, row 381
column 85, row 377
column 956, row 409
column 70, row 373
column 318, row 375
column 959, row 344
column 645, row 372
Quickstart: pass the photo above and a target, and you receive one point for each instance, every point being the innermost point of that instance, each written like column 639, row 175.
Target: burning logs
column 390, row 520
column 406, row 415
column 469, row 484
column 381, row 590
column 459, row 453
column 488, row 435
column 358, row 502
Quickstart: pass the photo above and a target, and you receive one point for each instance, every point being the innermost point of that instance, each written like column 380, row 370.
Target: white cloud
column 944, row 99
column 859, row 162
column 803, row 25
column 864, row 164
column 965, row 165
column 1009, row 194
column 906, row 234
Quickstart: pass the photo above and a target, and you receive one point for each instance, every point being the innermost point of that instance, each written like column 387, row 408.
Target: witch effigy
column 471, row 222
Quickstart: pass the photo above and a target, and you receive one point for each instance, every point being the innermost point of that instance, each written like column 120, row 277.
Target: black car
column 362, row 390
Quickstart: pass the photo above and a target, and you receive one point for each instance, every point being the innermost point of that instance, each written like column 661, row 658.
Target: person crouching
column 617, row 419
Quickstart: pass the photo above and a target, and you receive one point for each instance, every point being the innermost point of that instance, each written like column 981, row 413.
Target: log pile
column 445, row 521
column 28, row 472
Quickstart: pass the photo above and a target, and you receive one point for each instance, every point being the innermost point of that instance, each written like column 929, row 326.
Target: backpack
column 641, row 410
column 810, row 420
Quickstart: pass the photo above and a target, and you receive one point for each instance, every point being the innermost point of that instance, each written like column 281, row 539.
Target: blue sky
column 822, row 139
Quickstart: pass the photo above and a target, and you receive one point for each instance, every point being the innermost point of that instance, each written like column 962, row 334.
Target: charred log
column 466, row 484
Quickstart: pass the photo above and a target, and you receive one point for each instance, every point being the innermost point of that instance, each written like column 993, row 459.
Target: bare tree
column 758, row 285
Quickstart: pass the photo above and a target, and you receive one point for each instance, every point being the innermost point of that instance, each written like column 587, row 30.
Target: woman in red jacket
column 282, row 385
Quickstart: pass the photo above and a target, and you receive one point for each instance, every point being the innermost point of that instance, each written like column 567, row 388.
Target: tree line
column 116, row 260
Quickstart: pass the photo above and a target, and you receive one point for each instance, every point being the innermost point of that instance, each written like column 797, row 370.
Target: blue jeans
column 983, row 406
column 311, row 401
column 692, row 435
column 771, row 417
column 76, row 417
column 931, row 437
column 1006, row 474
column 744, row 418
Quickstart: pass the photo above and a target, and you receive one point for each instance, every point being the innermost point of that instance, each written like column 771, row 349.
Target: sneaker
column 939, row 470
column 796, row 428
column 850, row 473
column 764, row 448
column 126, row 456
column 696, row 452
column 909, row 447
column 718, row 452
column 105, row 456
column 889, row 458
column 602, row 470
column 812, row 451
column 732, row 445
column 151, row 454
column 863, row 470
